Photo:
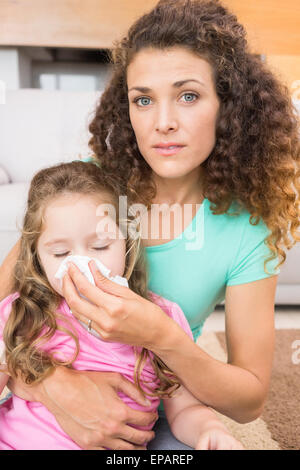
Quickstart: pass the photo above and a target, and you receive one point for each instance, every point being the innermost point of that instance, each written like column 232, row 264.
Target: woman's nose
column 166, row 120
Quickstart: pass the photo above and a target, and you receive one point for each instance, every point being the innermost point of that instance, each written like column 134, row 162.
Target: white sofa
column 40, row 128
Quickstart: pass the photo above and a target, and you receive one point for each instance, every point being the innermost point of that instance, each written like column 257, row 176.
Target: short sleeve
column 179, row 317
column 2, row 352
column 174, row 311
column 248, row 264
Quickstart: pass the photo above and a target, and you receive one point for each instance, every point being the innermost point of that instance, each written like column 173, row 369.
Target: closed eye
column 94, row 248
column 61, row 255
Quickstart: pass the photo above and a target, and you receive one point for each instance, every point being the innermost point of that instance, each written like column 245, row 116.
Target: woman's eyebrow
column 178, row 84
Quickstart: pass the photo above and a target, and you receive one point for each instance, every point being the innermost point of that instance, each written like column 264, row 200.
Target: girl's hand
column 87, row 407
column 217, row 439
column 118, row 314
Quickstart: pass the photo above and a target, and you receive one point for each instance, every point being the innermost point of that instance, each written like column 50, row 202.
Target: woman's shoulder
column 90, row 159
column 235, row 212
column 87, row 159
column 237, row 222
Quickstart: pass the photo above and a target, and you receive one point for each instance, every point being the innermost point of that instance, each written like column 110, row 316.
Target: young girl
column 38, row 330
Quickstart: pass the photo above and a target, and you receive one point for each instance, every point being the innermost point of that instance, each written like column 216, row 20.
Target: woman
column 192, row 118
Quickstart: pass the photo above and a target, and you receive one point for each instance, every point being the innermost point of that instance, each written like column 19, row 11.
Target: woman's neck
column 185, row 190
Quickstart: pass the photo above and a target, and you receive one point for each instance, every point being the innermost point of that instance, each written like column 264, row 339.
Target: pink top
column 28, row 425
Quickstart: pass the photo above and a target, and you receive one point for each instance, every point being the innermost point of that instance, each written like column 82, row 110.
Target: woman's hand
column 117, row 313
column 88, row 409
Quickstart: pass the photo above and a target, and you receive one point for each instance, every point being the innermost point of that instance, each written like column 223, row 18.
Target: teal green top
column 213, row 252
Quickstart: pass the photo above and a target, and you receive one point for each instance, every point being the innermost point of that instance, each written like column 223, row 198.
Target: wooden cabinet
column 287, row 68
column 272, row 25
column 68, row 23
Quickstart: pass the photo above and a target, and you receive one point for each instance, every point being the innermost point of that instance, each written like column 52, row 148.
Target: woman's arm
column 87, row 407
column 196, row 425
column 237, row 389
column 6, row 271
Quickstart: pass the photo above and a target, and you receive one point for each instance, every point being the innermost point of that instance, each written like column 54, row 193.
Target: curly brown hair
column 33, row 317
column 255, row 161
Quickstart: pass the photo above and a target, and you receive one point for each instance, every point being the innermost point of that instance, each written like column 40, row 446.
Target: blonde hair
column 32, row 320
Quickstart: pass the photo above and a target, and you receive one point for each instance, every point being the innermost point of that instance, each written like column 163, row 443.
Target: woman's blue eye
column 191, row 95
column 143, row 99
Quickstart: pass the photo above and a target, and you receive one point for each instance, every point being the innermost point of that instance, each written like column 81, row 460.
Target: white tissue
column 82, row 263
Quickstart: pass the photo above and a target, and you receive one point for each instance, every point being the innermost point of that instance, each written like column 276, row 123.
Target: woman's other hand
column 88, row 409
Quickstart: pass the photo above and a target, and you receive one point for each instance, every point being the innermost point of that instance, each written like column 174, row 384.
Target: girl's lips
column 168, row 151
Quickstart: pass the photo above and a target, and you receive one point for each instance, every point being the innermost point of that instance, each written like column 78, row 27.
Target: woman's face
column 172, row 100
column 73, row 227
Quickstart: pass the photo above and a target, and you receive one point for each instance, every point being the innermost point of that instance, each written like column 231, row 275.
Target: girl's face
column 172, row 100
column 71, row 229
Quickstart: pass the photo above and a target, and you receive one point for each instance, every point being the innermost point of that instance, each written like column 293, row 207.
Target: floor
column 286, row 317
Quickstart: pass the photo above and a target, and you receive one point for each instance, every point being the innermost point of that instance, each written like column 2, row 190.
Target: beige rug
column 279, row 426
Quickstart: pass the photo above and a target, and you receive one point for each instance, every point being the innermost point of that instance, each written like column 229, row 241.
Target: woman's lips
column 172, row 150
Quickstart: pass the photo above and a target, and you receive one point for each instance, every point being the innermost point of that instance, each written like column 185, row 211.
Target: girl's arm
column 196, row 425
column 85, row 404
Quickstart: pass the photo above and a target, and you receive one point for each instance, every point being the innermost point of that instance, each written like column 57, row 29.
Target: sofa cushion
column 13, row 199
column 12, row 210
column 4, row 178
column 40, row 128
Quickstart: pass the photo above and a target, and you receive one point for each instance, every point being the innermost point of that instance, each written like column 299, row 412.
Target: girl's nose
column 82, row 253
